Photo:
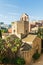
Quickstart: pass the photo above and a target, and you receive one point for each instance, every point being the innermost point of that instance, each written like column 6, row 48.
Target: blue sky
column 11, row 10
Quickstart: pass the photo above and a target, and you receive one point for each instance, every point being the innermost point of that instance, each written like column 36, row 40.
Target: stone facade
column 21, row 27
column 27, row 55
column 35, row 43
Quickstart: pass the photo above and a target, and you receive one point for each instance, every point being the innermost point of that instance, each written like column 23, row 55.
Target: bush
column 5, row 60
column 16, row 61
column 36, row 56
column 19, row 61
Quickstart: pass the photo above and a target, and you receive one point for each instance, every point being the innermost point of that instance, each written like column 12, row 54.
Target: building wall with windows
column 21, row 27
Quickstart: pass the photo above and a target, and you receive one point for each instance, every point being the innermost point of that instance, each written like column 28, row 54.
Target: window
column 25, row 18
column 22, row 18
column 14, row 30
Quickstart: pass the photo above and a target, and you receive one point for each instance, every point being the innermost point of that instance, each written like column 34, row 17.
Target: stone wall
column 37, row 44
column 27, row 55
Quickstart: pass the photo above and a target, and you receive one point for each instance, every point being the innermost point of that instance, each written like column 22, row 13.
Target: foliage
column 19, row 61
column 16, row 61
column 40, row 33
column 36, row 56
column 14, row 43
column 9, row 50
column 5, row 60
column 1, row 44
column 17, row 40
column 0, row 34
column 2, row 48
column 9, row 45
column 14, row 49
column 4, row 30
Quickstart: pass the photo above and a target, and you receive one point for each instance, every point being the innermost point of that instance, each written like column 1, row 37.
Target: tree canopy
column 40, row 33
column 9, row 50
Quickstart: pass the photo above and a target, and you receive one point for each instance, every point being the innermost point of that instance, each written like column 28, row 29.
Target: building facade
column 21, row 28
column 35, row 44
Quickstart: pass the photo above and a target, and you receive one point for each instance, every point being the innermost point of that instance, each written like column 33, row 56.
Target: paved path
column 39, row 61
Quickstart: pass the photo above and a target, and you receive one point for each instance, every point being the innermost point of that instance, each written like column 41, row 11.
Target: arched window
column 14, row 30
column 22, row 18
column 25, row 18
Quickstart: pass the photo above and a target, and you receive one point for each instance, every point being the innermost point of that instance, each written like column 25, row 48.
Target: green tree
column 17, row 45
column 40, row 33
column 0, row 34
column 1, row 48
column 1, row 44
column 9, row 50
column 17, row 42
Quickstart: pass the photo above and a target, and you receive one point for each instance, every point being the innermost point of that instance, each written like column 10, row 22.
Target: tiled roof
column 10, row 30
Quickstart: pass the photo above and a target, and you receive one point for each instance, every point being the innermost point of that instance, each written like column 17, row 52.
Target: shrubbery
column 19, row 61
column 16, row 61
column 8, row 52
column 36, row 56
column 5, row 60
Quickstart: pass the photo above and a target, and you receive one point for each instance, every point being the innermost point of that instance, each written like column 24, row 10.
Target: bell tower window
column 25, row 18
column 14, row 30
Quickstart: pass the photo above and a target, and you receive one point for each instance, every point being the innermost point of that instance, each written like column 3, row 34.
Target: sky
column 11, row 10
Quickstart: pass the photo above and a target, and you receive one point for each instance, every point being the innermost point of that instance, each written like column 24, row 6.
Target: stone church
column 21, row 28
column 31, row 43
